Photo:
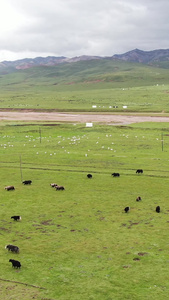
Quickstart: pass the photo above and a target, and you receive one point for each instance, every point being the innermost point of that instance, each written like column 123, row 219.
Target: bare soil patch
column 113, row 119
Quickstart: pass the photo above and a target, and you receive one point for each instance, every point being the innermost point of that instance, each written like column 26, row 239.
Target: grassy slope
column 79, row 242
column 116, row 72
column 79, row 86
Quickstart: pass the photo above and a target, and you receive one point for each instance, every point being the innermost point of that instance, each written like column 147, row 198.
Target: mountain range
column 154, row 57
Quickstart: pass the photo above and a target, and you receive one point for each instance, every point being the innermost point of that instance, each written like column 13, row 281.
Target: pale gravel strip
column 81, row 118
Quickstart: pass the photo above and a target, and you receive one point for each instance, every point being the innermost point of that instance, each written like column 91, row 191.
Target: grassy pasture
column 79, row 243
column 96, row 98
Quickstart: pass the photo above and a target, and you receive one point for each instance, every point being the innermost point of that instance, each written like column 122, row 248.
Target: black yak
column 12, row 248
column 138, row 198
column 16, row 218
column 115, row 175
column 127, row 209
column 25, row 182
column 9, row 188
column 158, row 209
column 139, row 171
column 89, row 175
column 59, row 188
column 15, row 263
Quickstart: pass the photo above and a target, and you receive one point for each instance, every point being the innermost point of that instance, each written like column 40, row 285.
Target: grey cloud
column 75, row 27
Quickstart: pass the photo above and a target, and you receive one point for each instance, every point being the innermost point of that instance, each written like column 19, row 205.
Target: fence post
column 40, row 134
column 21, row 168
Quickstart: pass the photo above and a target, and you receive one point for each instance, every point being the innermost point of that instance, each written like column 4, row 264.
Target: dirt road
column 79, row 118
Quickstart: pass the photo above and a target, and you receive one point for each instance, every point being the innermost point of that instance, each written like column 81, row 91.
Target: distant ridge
column 145, row 57
column 136, row 55
column 27, row 63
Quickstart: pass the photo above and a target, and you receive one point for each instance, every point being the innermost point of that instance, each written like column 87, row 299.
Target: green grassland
column 107, row 85
column 79, row 243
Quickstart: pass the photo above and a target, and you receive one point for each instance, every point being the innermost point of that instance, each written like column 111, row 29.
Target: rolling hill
column 134, row 68
column 117, row 73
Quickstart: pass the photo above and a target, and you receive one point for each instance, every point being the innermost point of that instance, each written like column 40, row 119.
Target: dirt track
column 81, row 118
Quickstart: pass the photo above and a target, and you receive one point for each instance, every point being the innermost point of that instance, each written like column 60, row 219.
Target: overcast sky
column 31, row 28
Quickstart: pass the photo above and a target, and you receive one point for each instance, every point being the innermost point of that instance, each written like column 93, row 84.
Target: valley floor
column 113, row 119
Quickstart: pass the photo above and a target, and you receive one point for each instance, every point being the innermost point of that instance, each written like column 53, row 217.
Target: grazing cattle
column 53, row 185
column 15, row 263
column 138, row 198
column 89, row 175
column 16, row 218
column 139, row 171
column 12, row 248
column 25, row 182
column 127, row 209
column 115, row 175
column 59, row 188
column 9, row 188
column 158, row 209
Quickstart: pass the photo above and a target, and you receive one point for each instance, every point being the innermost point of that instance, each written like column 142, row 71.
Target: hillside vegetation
column 118, row 73
column 81, row 85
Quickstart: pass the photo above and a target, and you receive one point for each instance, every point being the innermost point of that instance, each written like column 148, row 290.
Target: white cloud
column 30, row 28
